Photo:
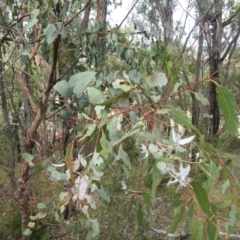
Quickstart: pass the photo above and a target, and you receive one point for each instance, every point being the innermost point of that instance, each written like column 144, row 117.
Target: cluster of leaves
column 126, row 108
column 175, row 155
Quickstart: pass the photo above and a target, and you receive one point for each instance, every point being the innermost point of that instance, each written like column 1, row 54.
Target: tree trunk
column 85, row 20
column 22, row 191
column 215, row 64
column 9, row 131
column 195, row 102
column 168, row 23
column 101, row 19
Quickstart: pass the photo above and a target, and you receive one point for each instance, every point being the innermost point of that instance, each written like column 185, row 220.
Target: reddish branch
column 21, row 191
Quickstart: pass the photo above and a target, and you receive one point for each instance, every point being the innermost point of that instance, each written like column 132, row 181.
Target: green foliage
column 228, row 106
column 123, row 140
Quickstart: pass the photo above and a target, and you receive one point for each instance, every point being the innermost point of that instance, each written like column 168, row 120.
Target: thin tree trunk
column 21, row 193
column 215, row 64
column 11, row 158
column 102, row 19
column 195, row 102
column 85, row 20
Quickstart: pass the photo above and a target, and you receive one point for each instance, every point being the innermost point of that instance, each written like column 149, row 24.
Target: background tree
column 63, row 65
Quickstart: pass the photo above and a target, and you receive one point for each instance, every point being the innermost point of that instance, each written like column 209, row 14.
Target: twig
column 127, row 14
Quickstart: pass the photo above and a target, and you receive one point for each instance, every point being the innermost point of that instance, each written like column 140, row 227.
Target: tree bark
column 101, row 19
column 195, row 102
column 215, row 65
column 85, row 20
column 21, row 193
column 11, row 158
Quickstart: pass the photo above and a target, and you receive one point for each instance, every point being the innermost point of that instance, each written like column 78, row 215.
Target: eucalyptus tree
column 64, row 50
column 220, row 36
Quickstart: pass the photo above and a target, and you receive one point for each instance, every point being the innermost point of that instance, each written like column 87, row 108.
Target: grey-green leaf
column 95, row 95
column 180, row 117
column 64, row 89
column 201, row 98
column 80, row 81
column 202, row 197
column 41, row 206
column 27, row 232
column 228, row 107
column 50, row 33
column 27, row 157
column 157, row 80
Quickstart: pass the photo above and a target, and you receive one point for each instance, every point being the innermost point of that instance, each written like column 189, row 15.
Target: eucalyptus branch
column 128, row 14
column 83, row 9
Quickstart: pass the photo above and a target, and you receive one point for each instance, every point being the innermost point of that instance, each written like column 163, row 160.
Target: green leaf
column 212, row 175
column 97, row 160
column 126, row 136
column 31, row 24
column 106, row 147
column 128, row 54
column 223, row 205
column 65, row 115
column 228, row 107
column 178, row 215
column 156, row 179
column 41, row 206
column 123, row 156
column 206, row 149
column 225, row 186
column 114, row 100
column 148, row 202
column 129, row 206
column 191, row 209
column 50, row 33
column 41, row 215
column 27, row 232
column 176, row 200
column 176, row 86
column 140, row 221
column 95, row 227
column 180, row 117
column 201, row 98
column 58, row 176
column 162, row 166
column 232, row 215
column 202, row 197
column 169, row 67
column 45, row 163
column 103, row 195
column 33, row 218
column 35, row 12
column 95, row 95
column 90, row 131
column 191, row 68
column 157, row 80
column 212, row 228
column 82, row 102
column 134, row 76
column 197, row 230
column 64, row 89
column 112, row 128
column 80, row 81
column 51, row 168
column 27, row 157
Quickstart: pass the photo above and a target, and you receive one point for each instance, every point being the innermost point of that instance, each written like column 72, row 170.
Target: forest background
column 119, row 130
